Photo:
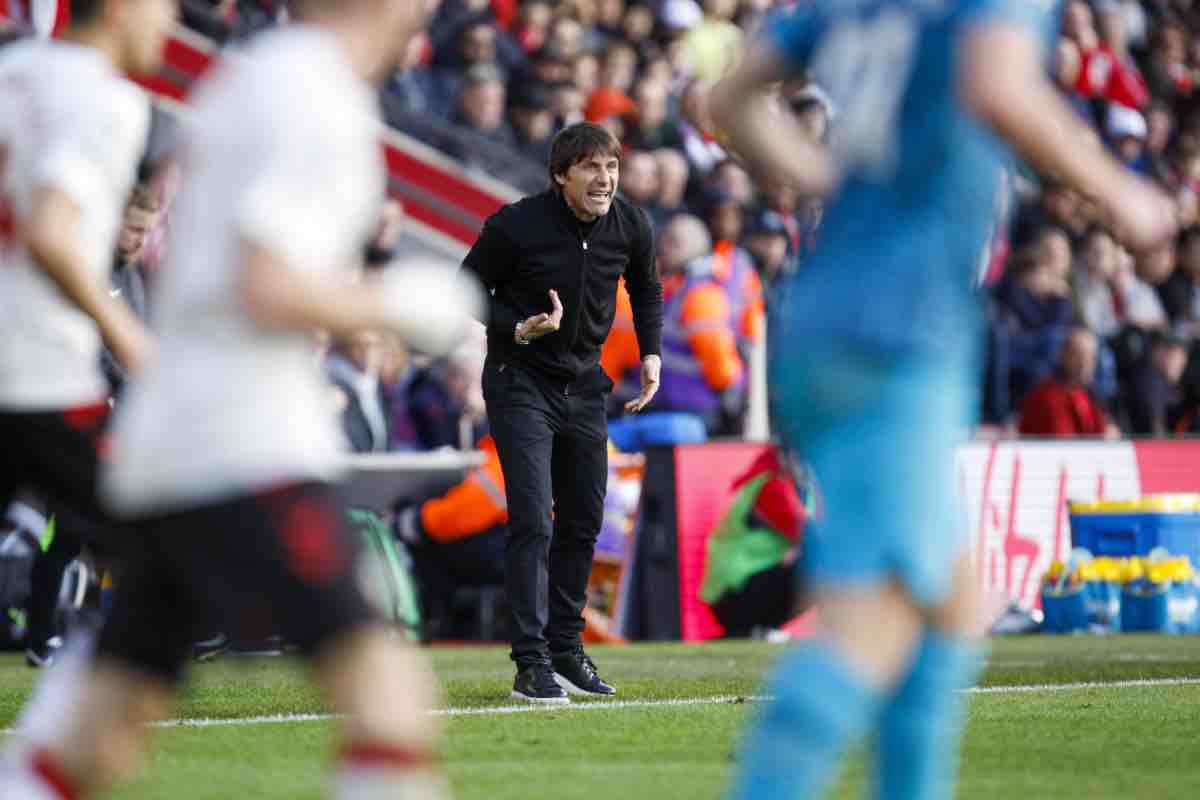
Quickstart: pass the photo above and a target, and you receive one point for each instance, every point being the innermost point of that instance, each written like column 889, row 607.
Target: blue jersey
column 901, row 241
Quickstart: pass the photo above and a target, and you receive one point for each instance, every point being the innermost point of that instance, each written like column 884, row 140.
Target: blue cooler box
column 1134, row 528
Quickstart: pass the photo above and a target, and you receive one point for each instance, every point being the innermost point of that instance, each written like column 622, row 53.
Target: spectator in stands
column 531, row 116
column 396, row 374
column 1058, row 205
column 1181, row 293
column 618, row 66
column 609, row 106
column 639, row 182
column 1126, row 129
column 414, row 89
column 1160, row 125
column 456, row 539
column 768, row 241
column 1154, row 392
column 1062, row 406
column 673, row 173
column 703, row 372
column 353, row 367
column 532, row 24
column 480, row 112
column 1034, row 308
column 702, row 150
column 1168, row 75
column 637, row 25
column 1155, row 267
column 729, row 178
column 568, row 104
column 653, row 127
column 1096, row 302
column 585, row 72
column 445, row 401
column 1139, row 304
column 1066, row 77
column 565, row 38
column 474, row 44
column 128, row 282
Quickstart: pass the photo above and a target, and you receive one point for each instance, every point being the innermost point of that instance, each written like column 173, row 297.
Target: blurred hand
column 1143, row 215
column 651, row 374
column 539, row 325
column 130, row 341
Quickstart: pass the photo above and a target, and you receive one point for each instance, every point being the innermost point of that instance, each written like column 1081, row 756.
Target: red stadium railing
column 447, row 204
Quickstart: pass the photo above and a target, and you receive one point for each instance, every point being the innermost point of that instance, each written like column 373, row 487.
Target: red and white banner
column 1014, row 496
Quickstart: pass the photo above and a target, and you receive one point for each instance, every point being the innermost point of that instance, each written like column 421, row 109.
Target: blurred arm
column 771, row 142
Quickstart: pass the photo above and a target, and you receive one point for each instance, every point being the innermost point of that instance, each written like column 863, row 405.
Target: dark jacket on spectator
column 1178, row 295
column 1152, row 402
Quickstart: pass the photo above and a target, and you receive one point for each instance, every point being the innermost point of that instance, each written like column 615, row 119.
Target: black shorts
column 56, row 453
column 277, row 562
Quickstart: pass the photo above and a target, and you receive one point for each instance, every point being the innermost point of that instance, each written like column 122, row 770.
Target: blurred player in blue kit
column 875, row 358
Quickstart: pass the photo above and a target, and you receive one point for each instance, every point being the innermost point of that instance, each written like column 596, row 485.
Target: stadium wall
column 1014, row 497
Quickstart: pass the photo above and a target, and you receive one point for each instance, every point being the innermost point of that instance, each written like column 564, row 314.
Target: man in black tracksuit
column 552, row 262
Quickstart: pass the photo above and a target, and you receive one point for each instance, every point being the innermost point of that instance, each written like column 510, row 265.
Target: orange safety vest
column 473, row 506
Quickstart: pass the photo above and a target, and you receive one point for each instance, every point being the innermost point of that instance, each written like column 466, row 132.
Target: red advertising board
column 1013, row 496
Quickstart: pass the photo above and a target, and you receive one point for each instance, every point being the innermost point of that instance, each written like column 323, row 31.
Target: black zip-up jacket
column 537, row 244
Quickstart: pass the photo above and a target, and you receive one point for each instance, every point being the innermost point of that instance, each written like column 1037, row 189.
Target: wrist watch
column 517, row 337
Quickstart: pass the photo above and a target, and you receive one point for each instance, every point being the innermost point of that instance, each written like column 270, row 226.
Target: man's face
column 1100, row 256
column 651, row 99
column 589, row 185
column 135, row 228
column 1130, row 148
column 143, row 26
column 1170, row 359
column 483, row 105
column 770, row 250
column 1055, row 255
column 478, row 44
column 1079, row 358
column 641, row 177
column 365, row 351
column 534, row 124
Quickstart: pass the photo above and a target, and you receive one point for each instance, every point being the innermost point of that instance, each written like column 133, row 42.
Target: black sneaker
column 576, row 673
column 210, row 649
column 535, row 684
column 44, row 655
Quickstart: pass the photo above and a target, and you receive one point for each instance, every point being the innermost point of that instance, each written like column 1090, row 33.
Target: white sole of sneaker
column 573, row 689
column 541, row 701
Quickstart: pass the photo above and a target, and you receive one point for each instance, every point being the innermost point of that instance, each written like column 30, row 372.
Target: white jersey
column 283, row 152
column 68, row 122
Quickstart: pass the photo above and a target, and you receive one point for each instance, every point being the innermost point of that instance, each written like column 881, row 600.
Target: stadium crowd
column 1083, row 337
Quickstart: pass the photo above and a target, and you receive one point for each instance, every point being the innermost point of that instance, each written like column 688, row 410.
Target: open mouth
column 599, row 196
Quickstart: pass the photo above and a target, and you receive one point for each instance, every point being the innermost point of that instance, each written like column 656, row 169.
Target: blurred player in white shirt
column 224, row 450
column 72, row 130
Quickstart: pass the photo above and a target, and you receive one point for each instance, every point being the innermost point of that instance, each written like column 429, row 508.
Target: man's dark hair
column 577, row 142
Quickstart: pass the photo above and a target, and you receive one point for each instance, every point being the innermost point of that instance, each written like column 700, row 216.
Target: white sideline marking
column 1064, row 687
column 595, row 705
column 600, row 705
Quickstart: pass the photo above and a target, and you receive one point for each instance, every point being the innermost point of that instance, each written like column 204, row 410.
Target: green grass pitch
column 1099, row 742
